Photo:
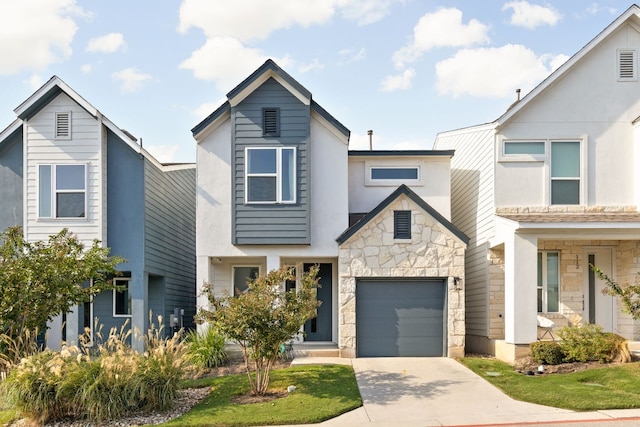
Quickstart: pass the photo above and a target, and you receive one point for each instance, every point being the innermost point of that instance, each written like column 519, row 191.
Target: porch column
column 520, row 284
column 203, row 276
column 73, row 325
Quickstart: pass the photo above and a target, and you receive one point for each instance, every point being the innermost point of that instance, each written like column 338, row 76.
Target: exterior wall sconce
column 457, row 284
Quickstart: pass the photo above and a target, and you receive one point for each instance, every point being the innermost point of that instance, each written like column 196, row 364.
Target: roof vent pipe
column 370, row 133
column 518, row 94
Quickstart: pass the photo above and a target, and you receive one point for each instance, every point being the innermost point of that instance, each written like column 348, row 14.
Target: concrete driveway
column 441, row 392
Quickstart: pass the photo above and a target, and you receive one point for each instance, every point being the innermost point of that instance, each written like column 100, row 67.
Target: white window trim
column 91, row 321
column 634, row 77
column 233, row 274
column 503, row 157
column 121, row 279
column 545, row 302
column 370, row 182
column 54, row 191
column 56, row 136
column 277, row 175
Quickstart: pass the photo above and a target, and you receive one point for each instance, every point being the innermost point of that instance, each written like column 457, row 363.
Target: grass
column 322, row 392
column 614, row 387
column 7, row 416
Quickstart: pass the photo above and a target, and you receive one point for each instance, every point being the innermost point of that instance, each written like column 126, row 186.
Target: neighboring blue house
column 63, row 164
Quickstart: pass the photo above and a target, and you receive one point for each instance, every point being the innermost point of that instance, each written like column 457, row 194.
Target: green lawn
column 7, row 416
column 615, row 387
column 322, row 392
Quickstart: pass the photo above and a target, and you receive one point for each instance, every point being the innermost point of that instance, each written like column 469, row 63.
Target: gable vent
column 402, row 224
column 63, row 125
column 271, row 122
column 626, row 65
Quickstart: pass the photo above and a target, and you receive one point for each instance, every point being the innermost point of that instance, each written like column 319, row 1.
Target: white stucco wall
column 434, row 186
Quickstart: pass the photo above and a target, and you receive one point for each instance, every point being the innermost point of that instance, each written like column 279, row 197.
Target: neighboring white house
column 550, row 187
column 278, row 186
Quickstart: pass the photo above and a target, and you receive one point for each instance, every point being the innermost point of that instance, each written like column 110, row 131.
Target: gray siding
column 472, row 209
column 271, row 224
column 170, row 214
column 11, row 173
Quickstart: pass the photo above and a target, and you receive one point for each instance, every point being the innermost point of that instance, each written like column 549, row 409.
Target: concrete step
column 311, row 350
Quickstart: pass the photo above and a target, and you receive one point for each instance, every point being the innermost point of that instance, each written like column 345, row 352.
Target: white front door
column 599, row 308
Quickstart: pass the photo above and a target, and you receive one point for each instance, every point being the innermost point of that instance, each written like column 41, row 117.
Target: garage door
column 400, row 318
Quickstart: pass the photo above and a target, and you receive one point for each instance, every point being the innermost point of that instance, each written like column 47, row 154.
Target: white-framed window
column 122, row 297
column 270, row 175
column 566, row 172
column 62, row 126
column 548, row 282
column 523, row 150
column 242, row 274
column 385, row 174
column 626, row 65
column 62, row 191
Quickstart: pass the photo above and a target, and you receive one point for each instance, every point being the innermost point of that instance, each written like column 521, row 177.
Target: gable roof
column 632, row 14
column 266, row 71
column 51, row 89
column 402, row 190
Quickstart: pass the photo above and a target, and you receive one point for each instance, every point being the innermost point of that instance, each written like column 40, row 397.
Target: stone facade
column 432, row 252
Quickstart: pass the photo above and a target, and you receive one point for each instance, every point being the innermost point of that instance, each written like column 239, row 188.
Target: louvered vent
column 271, row 122
column 63, row 125
column 626, row 65
column 402, row 224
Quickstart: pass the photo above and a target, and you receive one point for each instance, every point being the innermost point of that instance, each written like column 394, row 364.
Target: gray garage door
column 400, row 317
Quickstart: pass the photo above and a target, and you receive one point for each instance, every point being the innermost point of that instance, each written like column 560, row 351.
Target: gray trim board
column 269, row 64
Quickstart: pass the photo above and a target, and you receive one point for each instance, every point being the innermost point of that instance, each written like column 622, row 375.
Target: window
column 241, row 276
column 62, row 125
column 379, row 173
column 565, row 172
column 271, row 121
column 402, row 224
column 523, row 151
column 62, row 191
column 627, row 65
column 122, row 297
column 270, row 175
column 398, row 173
column 548, row 282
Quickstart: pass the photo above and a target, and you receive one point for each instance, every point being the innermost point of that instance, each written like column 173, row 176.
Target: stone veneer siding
column 432, row 252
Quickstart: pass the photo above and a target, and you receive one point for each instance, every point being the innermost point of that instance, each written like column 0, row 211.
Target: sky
column 406, row 69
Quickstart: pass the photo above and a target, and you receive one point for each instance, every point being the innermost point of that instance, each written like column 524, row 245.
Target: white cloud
column 108, row 43
column 493, row 72
column 352, row 55
column 86, row 68
column 34, row 82
column 442, row 28
column 37, row 33
column 400, row 81
column 202, row 111
column 130, row 79
column 313, row 65
column 164, row 153
column 530, row 16
column 365, row 12
column 556, row 61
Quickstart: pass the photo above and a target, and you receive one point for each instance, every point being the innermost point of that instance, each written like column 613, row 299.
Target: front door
column 319, row 328
column 599, row 307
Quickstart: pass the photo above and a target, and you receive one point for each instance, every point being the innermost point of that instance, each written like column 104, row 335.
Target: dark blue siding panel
column 271, row 224
column 11, row 181
column 170, row 213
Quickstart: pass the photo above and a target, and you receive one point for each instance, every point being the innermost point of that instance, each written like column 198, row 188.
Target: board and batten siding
column 11, row 165
column 84, row 147
column 472, row 210
column 271, row 224
column 169, row 238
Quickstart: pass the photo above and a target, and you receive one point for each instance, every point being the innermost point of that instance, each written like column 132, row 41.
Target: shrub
column 205, row 349
column 116, row 380
column 547, row 352
column 584, row 343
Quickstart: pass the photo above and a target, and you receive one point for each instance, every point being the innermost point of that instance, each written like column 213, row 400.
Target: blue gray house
column 65, row 165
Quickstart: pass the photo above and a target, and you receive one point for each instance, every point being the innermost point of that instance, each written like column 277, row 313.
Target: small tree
column 263, row 318
column 40, row 280
column 629, row 293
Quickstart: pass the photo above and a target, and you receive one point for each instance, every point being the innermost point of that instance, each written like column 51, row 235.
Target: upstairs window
column 62, row 125
column 627, row 65
column 270, row 175
column 565, row 172
column 402, row 224
column 62, row 191
column 271, row 121
column 379, row 173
